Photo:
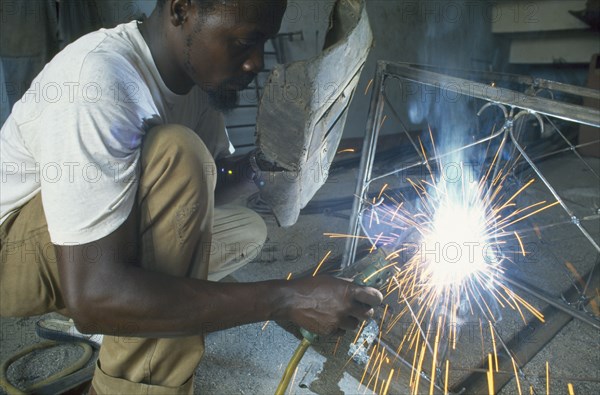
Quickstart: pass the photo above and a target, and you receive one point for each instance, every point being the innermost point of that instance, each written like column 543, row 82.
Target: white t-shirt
column 76, row 134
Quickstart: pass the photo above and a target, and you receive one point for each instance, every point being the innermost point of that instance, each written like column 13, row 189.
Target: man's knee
column 254, row 234
column 259, row 228
column 238, row 236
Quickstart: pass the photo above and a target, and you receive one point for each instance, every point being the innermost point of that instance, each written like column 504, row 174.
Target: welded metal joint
column 359, row 350
column 579, row 304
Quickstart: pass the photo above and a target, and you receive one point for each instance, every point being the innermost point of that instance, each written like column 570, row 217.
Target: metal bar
column 249, row 125
column 589, row 280
column 566, row 88
column 571, row 146
column 404, row 128
column 530, row 289
column 438, row 157
column 516, row 79
column 366, row 161
column 569, row 112
column 574, row 219
column 566, row 149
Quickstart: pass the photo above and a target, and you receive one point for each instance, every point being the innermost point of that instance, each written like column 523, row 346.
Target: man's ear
column 179, row 11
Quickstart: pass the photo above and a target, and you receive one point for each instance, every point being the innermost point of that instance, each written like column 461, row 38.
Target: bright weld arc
column 479, row 207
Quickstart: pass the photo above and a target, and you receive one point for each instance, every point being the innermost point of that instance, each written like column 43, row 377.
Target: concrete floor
column 251, row 359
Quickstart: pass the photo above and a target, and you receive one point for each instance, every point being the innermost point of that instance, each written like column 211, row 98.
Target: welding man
column 108, row 196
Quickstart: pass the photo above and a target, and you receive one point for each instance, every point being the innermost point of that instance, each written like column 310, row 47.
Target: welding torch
column 371, row 271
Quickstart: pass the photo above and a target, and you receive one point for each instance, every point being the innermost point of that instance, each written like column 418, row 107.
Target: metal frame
column 514, row 105
column 519, row 103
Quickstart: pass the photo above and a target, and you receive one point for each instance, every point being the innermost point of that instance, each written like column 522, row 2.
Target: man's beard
column 223, row 99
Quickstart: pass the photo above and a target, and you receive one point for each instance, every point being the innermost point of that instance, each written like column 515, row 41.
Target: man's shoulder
column 105, row 52
column 102, row 66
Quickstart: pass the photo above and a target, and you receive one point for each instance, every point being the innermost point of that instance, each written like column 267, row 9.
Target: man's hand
column 324, row 305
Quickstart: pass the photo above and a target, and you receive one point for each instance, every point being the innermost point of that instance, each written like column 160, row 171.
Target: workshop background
column 554, row 40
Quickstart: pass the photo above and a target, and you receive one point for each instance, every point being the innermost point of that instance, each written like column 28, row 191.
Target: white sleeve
column 89, row 167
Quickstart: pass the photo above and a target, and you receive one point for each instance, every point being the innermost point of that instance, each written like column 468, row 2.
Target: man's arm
column 108, row 292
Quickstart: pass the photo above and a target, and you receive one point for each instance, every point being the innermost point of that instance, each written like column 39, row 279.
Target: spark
column 337, row 344
column 382, row 191
column 362, row 379
column 419, row 369
column 389, row 380
column 368, row 86
column 575, row 273
column 347, row 150
column 547, row 378
column 490, row 375
column 383, row 121
column 375, row 273
column 516, row 375
column 520, row 243
column 321, row 263
column 375, row 243
column 385, row 309
column 494, row 345
column 435, row 351
column 359, row 331
column 446, row 377
column 342, row 235
column 379, row 368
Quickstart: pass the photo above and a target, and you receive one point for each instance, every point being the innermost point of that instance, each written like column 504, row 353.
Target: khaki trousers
column 181, row 233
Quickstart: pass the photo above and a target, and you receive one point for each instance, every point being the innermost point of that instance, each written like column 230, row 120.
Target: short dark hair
column 204, row 4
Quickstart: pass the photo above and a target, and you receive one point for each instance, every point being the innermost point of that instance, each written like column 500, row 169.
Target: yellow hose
column 291, row 367
column 12, row 390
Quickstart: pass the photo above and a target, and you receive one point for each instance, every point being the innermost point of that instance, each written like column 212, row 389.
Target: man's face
column 224, row 48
